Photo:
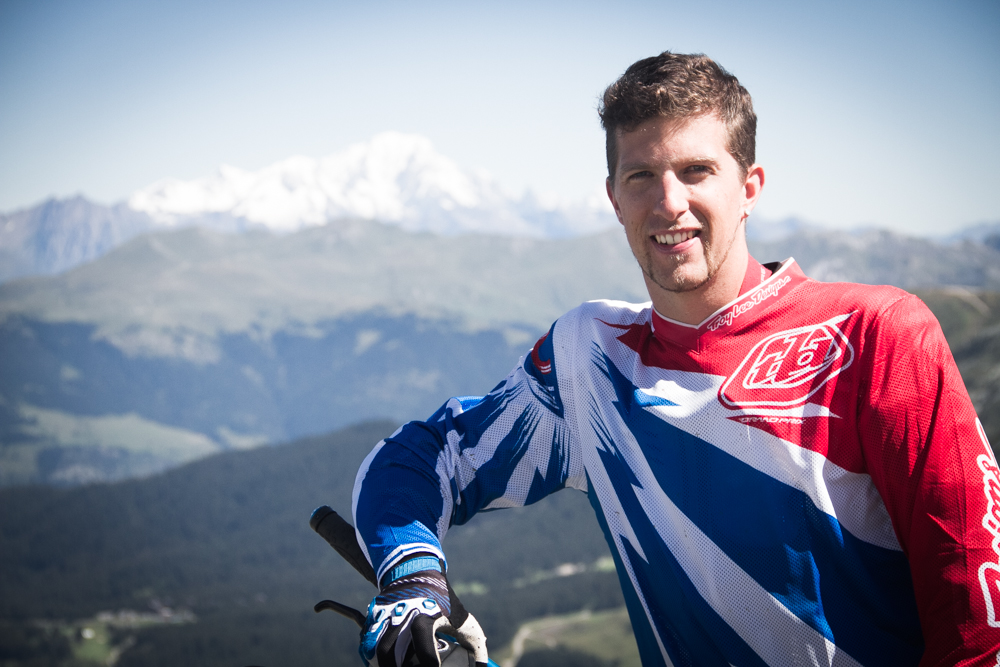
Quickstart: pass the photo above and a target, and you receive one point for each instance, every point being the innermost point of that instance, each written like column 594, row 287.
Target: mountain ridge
column 396, row 178
column 206, row 283
column 58, row 235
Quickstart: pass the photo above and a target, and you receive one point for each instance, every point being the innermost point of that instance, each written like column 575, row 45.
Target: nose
column 673, row 196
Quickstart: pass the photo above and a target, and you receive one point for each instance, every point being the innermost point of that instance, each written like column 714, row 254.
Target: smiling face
column 683, row 200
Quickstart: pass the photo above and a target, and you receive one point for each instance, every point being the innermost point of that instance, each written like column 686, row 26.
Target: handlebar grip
column 340, row 535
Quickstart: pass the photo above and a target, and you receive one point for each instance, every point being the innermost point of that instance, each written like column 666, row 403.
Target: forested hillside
column 971, row 323
column 225, row 546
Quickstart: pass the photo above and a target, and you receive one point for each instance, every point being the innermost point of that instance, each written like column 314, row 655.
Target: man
column 787, row 472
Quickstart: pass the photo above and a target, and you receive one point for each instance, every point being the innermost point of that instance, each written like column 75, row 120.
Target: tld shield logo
column 786, row 368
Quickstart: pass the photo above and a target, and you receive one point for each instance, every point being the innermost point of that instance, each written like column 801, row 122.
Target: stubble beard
column 678, row 285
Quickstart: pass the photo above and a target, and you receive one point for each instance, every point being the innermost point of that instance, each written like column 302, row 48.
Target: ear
column 614, row 202
column 752, row 186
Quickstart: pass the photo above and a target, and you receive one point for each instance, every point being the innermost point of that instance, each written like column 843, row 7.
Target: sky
column 870, row 113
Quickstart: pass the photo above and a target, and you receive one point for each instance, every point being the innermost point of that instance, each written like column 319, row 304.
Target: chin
column 680, row 281
column 690, row 285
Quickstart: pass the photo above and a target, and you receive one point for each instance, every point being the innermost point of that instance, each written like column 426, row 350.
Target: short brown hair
column 678, row 85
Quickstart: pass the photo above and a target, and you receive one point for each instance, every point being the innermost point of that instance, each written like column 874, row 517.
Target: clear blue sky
column 880, row 113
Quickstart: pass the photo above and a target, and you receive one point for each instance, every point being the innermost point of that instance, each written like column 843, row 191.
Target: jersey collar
column 757, row 292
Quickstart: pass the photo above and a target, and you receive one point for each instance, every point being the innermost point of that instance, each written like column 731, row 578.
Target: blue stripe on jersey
column 557, row 470
column 846, row 589
column 649, row 650
column 643, row 399
column 493, row 476
column 691, row 631
column 477, row 416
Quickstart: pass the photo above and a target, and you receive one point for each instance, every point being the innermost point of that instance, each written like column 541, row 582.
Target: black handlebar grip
column 340, row 535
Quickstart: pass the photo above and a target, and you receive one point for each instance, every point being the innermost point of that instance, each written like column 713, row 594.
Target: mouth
column 676, row 238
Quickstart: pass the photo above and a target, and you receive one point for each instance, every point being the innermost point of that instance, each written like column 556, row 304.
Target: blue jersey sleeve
column 509, row 448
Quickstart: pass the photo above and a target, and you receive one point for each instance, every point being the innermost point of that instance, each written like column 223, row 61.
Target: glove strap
column 418, row 564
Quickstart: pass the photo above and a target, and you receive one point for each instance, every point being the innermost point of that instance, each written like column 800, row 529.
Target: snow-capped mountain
column 395, row 178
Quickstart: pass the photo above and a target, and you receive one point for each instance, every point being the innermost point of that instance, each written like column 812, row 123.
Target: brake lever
column 343, row 610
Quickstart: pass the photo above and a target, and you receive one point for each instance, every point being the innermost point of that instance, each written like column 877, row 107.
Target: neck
column 695, row 306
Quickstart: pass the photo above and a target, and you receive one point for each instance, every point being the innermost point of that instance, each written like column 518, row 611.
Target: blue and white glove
column 415, row 603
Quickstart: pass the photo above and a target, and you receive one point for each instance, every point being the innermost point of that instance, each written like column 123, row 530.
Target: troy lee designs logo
column 786, row 368
column 726, row 318
column 989, row 572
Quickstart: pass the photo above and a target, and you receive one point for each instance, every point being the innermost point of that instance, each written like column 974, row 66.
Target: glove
column 415, row 603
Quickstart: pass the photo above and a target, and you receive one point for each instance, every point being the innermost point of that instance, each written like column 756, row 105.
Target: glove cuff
column 422, row 583
column 418, row 564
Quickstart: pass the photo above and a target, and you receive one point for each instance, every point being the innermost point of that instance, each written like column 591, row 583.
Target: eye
column 639, row 175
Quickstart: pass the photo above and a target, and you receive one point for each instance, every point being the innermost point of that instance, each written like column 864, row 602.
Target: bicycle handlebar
column 340, row 535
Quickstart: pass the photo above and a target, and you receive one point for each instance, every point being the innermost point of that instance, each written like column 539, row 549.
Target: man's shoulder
column 871, row 299
column 887, row 312
column 600, row 318
column 609, row 311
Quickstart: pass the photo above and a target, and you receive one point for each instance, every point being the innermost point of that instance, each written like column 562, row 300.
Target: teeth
column 674, row 239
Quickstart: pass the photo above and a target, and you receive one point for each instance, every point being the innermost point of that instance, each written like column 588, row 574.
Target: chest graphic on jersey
column 785, row 369
column 777, row 379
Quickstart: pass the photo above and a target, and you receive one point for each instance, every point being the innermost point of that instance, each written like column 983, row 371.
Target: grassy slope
column 71, row 406
column 173, row 293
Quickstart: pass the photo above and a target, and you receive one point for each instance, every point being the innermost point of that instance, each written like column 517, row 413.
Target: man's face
column 682, row 199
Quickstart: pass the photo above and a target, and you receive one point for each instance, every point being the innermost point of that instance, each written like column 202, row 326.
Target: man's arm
column 931, row 463
column 507, row 449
